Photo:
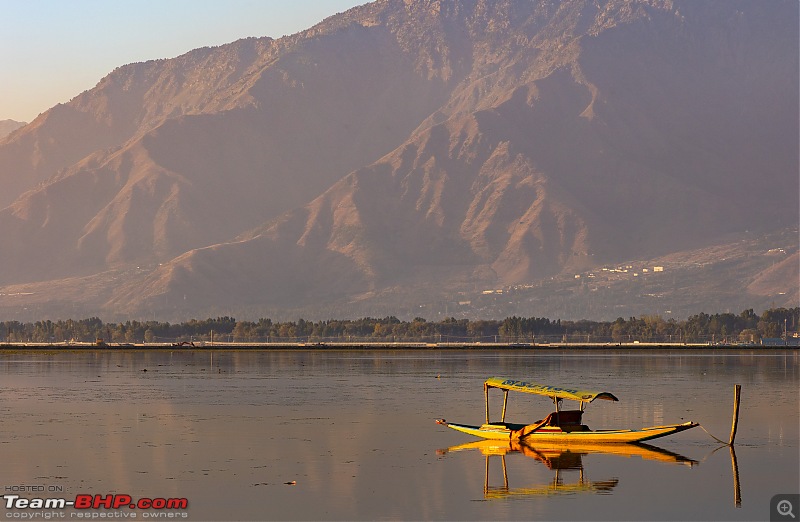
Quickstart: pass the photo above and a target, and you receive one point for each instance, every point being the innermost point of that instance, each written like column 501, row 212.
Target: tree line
column 746, row 327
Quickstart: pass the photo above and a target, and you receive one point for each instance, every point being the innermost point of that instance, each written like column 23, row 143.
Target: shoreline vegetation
column 792, row 344
column 775, row 327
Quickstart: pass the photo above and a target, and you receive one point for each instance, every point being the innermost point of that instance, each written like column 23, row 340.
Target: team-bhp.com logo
column 89, row 506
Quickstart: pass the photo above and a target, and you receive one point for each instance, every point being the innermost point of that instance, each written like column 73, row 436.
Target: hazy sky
column 52, row 50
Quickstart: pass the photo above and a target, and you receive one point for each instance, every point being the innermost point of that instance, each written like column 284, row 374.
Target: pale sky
column 52, row 50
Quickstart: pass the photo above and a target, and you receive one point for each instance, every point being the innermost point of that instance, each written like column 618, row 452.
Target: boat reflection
column 560, row 458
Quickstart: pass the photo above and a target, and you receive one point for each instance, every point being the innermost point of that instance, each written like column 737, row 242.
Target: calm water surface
column 353, row 433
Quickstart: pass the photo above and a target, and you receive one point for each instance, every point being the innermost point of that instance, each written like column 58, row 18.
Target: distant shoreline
column 383, row 346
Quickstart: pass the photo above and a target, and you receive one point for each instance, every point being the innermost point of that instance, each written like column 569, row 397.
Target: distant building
column 658, row 269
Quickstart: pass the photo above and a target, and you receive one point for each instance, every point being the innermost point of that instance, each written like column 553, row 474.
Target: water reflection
column 354, row 430
column 737, row 488
column 559, row 459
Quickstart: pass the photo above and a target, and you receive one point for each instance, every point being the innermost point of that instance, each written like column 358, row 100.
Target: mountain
column 9, row 126
column 413, row 151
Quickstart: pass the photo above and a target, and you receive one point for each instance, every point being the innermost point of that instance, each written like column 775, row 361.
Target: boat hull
column 501, row 432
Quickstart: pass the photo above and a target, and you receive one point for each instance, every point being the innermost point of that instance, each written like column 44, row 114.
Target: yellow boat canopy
column 555, row 392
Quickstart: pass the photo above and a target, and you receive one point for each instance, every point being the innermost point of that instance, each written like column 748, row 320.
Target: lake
column 350, row 435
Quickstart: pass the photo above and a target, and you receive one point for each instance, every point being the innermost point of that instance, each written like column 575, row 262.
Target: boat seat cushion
column 564, row 418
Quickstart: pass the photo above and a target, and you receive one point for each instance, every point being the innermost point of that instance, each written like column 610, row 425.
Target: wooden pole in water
column 736, row 396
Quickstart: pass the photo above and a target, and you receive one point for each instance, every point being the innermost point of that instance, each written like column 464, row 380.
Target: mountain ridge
column 9, row 126
column 422, row 143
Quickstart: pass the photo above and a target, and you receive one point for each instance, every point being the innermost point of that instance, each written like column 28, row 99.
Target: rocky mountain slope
column 445, row 146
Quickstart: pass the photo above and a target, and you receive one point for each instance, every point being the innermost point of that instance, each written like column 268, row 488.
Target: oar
column 527, row 430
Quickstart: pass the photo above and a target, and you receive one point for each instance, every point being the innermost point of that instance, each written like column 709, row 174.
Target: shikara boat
column 562, row 426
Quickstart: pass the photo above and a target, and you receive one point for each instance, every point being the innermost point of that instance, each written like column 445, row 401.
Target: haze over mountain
column 416, row 152
column 9, row 126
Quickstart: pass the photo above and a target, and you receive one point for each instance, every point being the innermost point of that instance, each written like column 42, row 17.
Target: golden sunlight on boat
column 561, row 426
